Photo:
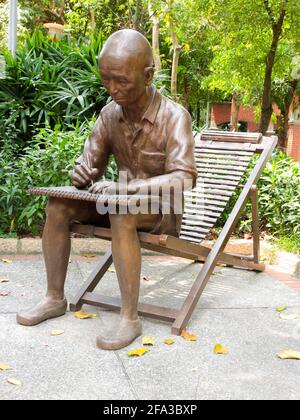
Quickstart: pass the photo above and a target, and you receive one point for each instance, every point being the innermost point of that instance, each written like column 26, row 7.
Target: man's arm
column 90, row 166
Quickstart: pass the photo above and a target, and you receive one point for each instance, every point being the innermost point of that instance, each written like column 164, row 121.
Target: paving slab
column 238, row 310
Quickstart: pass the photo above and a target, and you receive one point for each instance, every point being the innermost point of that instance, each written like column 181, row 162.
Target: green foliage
column 279, row 198
column 47, row 161
column 289, row 243
column 241, row 35
column 50, row 83
column 80, row 17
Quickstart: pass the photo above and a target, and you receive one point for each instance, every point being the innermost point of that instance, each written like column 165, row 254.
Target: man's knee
column 123, row 221
column 61, row 209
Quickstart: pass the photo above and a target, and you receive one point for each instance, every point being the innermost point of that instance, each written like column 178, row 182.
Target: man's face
column 123, row 78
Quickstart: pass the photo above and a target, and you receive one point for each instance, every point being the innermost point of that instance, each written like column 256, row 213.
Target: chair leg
column 193, row 297
column 93, row 280
column 255, row 224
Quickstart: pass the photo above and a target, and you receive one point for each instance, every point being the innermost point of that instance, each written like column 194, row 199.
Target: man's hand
column 82, row 175
column 104, row 187
column 110, row 187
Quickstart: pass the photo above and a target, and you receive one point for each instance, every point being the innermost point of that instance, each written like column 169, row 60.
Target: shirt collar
column 151, row 113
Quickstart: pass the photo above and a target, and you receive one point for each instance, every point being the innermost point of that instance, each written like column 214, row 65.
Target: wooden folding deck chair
column 222, row 159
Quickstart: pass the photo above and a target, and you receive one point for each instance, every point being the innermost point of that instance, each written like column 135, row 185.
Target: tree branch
column 56, row 15
column 270, row 13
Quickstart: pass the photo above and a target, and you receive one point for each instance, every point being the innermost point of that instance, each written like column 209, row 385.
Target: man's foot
column 124, row 334
column 46, row 309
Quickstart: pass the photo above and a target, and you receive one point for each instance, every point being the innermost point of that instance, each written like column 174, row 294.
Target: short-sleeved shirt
column 163, row 144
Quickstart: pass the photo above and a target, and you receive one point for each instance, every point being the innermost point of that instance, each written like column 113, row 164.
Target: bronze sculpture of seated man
column 151, row 139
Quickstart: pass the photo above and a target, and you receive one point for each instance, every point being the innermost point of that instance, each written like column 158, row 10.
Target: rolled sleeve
column 97, row 147
column 180, row 148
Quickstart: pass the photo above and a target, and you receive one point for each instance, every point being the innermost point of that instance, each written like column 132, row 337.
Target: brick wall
column 221, row 113
column 293, row 147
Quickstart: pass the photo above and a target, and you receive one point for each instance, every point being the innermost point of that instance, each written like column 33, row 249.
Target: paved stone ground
column 238, row 310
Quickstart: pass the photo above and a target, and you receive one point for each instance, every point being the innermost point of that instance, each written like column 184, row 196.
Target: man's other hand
column 104, row 187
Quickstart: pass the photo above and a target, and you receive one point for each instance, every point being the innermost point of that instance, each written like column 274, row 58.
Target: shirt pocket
column 153, row 162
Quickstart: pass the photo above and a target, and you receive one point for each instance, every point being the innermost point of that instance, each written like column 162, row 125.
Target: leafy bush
column 279, row 195
column 50, row 83
column 279, row 198
column 289, row 243
column 46, row 162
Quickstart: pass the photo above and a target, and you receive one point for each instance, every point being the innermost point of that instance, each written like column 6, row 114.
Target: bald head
column 130, row 44
column 126, row 68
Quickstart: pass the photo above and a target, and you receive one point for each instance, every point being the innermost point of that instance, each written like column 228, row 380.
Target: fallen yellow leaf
column 289, row 354
column 3, row 366
column 84, row 315
column 112, row 270
column 219, row 349
column 148, row 341
column 138, row 352
column 289, row 317
column 14, row 381
column 57, row 332
column 4, row 280
column 89, row 255
column 5, row 261
column 187, row 336
column 169, row 341
column 280, row 308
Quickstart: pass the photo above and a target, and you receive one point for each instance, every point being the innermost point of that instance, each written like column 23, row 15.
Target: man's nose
column 113, row 88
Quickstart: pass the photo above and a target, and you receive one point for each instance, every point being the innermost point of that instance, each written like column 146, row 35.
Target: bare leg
column 56, row 249
column 127, row 259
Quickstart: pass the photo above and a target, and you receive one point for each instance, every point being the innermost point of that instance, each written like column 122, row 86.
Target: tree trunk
column 285, row 113
column 155, row 36
column 235, row 111
column 186, row 93
column 137, row 21
column 93, row 21
column 176, row 52
column 266, row 107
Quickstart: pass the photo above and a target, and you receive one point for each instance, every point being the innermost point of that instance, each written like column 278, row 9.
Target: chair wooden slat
column 207, row 165
column 219, row 171
column 225, row 182
column 217, row 135
column 187, row 238
column 219, row 187
column 223, row 154
column 188, row 221
column 203, row 196
column 205, row 204
column 193, row 236
column 199, row 207
column 219, row 177
column 208, row 189
column 222, row 163
column 190, row 214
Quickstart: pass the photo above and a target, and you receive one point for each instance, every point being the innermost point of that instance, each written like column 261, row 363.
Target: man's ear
column 149, row 74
